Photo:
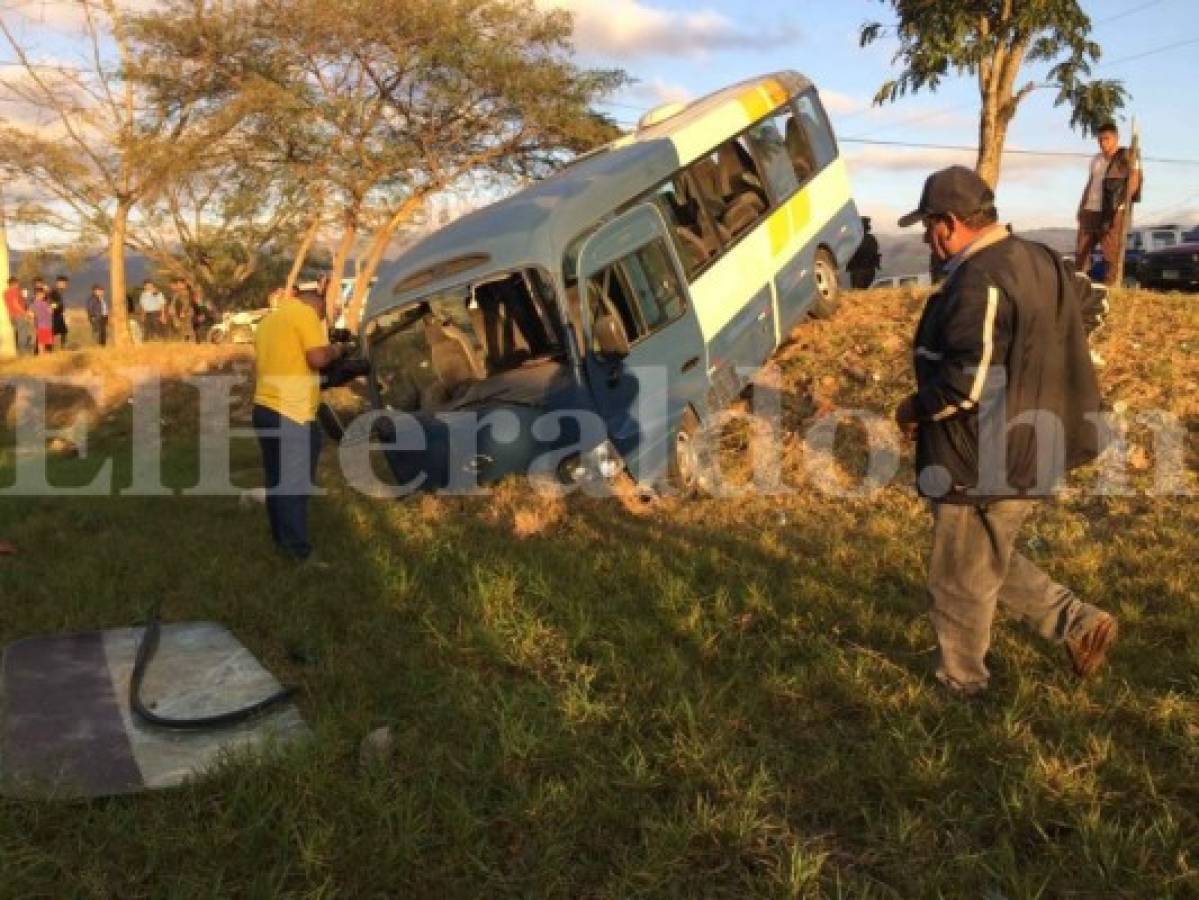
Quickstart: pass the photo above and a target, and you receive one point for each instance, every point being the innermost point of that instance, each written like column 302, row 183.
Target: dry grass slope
column 612, row 698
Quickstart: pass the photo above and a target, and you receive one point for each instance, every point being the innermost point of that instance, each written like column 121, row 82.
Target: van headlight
column 600, row 463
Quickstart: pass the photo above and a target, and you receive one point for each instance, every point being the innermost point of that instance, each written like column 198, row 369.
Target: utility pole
column 1134, row 163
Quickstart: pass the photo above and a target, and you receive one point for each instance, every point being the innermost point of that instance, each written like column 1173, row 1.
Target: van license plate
column 1170, row 274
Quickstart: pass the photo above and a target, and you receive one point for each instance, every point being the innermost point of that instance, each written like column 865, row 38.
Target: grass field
column 605, row 698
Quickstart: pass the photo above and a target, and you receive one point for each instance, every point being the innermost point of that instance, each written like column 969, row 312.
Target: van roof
column 533, row 226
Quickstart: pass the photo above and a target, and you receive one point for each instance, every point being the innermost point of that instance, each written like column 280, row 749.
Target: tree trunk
column 333, row 289
column 992, row 134
column 374, row 256
column 303, row 250
column 118, row 311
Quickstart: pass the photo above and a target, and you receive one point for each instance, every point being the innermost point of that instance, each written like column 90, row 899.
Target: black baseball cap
column 956, row 190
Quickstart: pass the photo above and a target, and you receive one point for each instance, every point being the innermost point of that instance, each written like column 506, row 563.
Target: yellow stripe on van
column 780, row 230
column 724, row 289
column 755, row 102
column 764, row 98
column 799, row 212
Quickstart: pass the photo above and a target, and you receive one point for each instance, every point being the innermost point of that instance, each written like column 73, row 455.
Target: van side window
column 766, row 139
column 693, row 235
column 817, row 129
column 730, row 188
column 640, row 290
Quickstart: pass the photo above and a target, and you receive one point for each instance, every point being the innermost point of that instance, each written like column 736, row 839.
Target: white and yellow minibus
column 639, row 288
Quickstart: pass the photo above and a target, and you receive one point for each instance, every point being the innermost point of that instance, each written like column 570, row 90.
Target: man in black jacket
column 1006, row 404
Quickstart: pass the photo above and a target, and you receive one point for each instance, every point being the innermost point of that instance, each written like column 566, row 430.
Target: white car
column 237, row 327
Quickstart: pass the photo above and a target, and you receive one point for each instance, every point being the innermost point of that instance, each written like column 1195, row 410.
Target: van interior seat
column 707, row 183
column 692, row 229
column 744, row 198
column 454, row 360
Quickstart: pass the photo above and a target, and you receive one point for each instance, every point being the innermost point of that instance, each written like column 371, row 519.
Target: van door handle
column 690, row 364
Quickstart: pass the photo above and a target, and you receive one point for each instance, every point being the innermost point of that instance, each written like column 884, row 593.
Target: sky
column 682, row 49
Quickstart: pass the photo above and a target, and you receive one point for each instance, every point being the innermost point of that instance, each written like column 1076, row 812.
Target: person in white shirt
column 1114, row 183
column 153, row 305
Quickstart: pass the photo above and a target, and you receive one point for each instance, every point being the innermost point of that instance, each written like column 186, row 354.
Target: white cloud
column 68, row 15
column 629, row 29
column 655, row 92
column 838, row 104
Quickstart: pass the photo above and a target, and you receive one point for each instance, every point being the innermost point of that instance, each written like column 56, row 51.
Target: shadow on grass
column 725, row 699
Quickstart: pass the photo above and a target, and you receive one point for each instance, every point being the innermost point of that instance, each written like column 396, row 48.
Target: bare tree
column 108, row 147
column 218, row 225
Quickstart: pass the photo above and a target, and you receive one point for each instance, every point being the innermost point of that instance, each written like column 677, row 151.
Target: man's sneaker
column 1088, row 651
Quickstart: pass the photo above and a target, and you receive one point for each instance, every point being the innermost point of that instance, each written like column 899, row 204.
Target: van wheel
column 828, row 289
column 689, row 469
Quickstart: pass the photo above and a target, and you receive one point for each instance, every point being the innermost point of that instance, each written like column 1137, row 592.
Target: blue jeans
column 290, row 451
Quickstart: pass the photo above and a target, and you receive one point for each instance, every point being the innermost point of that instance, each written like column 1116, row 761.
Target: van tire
column 689, row 469
column 827, row 295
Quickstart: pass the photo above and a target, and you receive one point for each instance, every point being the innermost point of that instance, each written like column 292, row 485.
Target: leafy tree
column 991, row 40
column 381, row 104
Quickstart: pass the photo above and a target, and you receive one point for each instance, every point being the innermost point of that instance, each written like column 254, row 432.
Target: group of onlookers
column 38, row 314
column 183, row 316
column 39, row 318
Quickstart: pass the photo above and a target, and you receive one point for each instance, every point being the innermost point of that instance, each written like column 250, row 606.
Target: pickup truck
column 1172, row 268
column 1142, row 242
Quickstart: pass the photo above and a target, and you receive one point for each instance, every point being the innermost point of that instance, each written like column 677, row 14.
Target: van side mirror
column 610, row 337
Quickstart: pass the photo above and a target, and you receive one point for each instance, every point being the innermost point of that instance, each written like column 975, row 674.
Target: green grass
column 593, row 699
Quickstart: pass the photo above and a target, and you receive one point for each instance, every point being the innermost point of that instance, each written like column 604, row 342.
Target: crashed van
column 593, row 321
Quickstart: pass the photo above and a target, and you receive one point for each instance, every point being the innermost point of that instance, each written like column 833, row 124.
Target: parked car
column 1143, row 241
column 1172, row 268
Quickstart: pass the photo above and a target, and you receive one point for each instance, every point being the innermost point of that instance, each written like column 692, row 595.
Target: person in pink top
column 43, row 321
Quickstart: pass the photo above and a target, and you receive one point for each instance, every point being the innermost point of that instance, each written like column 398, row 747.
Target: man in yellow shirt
column 292, row 347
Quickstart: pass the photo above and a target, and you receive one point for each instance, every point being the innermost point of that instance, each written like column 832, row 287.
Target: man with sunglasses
column 1006, row 404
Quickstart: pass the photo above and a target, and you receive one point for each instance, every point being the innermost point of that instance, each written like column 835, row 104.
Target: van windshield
column 430, row 353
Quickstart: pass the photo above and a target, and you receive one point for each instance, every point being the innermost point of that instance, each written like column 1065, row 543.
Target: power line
column 1153, row 52
column 1128, row 12
column 968, row 149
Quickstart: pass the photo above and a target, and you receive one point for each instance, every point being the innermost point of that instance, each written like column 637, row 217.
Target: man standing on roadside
column 153, row 306
column 181, row 310
column 863, row 265
column 17, row 314
column 97, row 315
column 1114, row 184
column 58, row 304
column 1005, row 390
column 292, row 347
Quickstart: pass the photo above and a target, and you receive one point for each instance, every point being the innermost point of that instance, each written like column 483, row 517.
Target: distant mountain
column 94, row 271
column 907, row 254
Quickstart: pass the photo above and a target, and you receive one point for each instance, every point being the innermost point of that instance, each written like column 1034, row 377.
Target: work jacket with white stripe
column 1006, row 398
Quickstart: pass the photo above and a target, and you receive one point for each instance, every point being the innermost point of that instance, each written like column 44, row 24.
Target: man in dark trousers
column 1113, row 185
column 292, row 347
column 97, row 315
column 864, row 264
column 58, row 305
column 1003, row 409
